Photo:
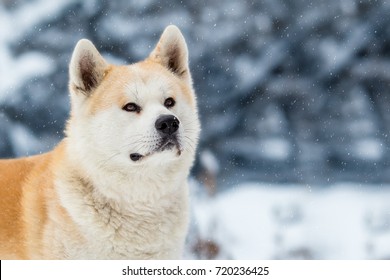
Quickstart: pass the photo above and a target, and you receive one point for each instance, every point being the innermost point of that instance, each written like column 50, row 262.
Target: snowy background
column 294, row 96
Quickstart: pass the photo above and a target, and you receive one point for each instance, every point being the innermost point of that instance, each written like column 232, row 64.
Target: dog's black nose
column 167, row 125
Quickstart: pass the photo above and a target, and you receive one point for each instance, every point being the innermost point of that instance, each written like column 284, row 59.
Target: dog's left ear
column 87, row 68
column 171, row 52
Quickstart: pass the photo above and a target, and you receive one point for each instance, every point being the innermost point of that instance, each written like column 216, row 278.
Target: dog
column 116, row 186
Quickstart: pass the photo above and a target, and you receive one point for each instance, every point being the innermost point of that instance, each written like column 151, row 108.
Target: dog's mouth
column 164, row 145
column 168, row 144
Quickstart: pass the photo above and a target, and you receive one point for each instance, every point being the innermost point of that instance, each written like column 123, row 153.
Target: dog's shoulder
column 13, row 174
column 23, row 186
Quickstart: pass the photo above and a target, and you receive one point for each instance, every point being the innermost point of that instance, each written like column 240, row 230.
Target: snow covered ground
column 263, row 221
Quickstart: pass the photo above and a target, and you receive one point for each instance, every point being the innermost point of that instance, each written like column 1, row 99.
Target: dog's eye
column 169, row 102
column 132, row 107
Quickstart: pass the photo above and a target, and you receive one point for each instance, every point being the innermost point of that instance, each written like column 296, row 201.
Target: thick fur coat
column 116, row 186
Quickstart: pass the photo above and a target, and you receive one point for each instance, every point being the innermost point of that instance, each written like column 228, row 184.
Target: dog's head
column 138, row 115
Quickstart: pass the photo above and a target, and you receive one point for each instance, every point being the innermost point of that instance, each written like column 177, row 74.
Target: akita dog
column 116, row 186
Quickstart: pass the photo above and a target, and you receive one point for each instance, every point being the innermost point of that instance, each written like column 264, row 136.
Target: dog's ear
column 87, row 68
column 171, row 52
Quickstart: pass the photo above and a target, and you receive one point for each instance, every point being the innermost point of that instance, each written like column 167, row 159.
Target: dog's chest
column 148, row 230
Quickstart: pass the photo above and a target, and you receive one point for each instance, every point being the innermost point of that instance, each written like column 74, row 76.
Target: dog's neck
column 123, row 186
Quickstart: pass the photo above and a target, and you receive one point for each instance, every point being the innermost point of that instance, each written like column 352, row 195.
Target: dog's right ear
column 172, row 53
column 87, row 68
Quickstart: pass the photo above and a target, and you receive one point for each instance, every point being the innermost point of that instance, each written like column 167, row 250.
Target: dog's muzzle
column 167, row 127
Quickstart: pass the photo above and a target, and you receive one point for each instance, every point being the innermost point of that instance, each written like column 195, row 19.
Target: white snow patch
column 14, row 24
column 25, row 67
column 259, row 221
column 275, row 148
column 23, row 140
column 369, row 149
column 209, row 161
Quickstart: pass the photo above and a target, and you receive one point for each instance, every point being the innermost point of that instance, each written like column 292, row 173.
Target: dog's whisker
column 133, row 142
column 188, row 141
column 102, row 163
